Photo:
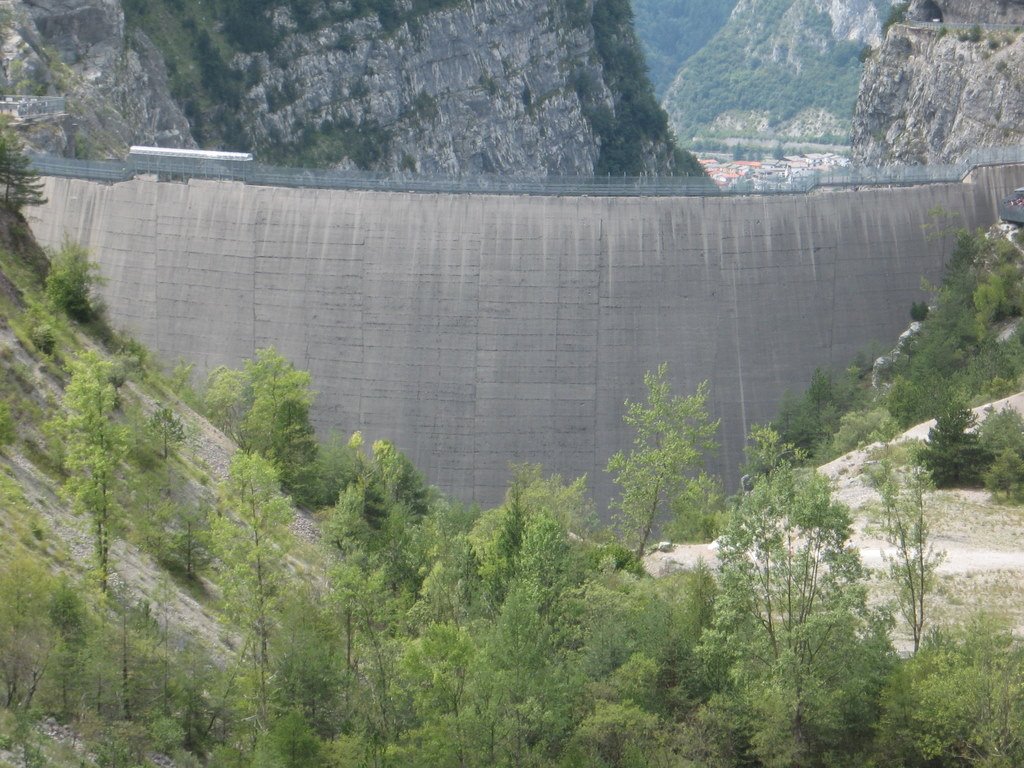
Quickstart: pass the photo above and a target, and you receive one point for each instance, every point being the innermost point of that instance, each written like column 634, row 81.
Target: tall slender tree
column 249, row 539
column 912, row 564
column 95, row 446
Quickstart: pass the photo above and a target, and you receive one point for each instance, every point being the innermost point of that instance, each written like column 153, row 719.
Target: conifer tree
column 954, row 455
column 21, row 185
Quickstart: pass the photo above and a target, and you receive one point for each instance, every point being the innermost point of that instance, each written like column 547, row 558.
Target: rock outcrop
column 431, row 86
column 115, row 80
column 931, row 95
column 481, row 87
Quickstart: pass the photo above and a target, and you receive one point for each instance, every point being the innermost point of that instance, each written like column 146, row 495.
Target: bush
column 919, row 311
column 897, row 15
column 1003, row 431
column 71, row 281
column 1006, row 474
column 972, row 35
column 41, row 332
column 859, row 428
column 7, row 429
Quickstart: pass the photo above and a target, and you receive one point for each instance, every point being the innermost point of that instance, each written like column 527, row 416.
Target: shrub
column 859, row 428
column 41, row 332
column 897, row 15
column 919, row 311
column 71, row 281
column 1006, row 474
column 1003, row 431
column 7, row 429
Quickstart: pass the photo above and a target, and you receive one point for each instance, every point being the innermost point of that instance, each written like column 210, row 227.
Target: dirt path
column 983, row 540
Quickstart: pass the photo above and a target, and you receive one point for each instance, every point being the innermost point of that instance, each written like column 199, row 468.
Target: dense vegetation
column 638, row 123
column 671, row 31
column 969, row 350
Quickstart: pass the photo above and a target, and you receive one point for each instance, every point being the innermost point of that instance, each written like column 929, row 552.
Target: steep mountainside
column 777, row 69
column 931, row 95
column 114, row 78
column 671, row 31
column 454, row 86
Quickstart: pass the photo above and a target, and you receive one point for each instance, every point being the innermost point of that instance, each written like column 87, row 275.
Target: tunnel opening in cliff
column 930, row 11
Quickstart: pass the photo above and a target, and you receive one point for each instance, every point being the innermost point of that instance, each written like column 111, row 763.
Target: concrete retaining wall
column 478, row 330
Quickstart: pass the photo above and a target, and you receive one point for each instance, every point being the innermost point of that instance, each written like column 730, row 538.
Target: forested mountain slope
column 671, row 31
column 786, row 69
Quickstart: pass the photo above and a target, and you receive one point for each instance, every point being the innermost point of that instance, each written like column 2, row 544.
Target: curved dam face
column 476, row 330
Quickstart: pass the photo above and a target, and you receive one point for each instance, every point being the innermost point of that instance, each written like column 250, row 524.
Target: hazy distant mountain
column 671, row 31
column 777, row 68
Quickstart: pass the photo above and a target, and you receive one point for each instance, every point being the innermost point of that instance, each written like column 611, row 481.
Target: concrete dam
column 475, row 330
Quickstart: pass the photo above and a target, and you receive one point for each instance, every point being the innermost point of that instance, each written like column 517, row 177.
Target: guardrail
column 963, row 25
column 27, row 107
column 1011, row 209
column 182, row 169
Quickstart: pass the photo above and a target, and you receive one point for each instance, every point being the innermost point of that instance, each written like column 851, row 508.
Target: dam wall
column 477, row 330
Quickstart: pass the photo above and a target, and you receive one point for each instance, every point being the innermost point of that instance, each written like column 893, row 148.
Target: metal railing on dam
column 182, row 169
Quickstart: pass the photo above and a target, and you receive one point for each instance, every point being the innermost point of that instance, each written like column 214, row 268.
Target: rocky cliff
column 929, row 95
column 114, row 78
column 435, row 86
column 486, row 86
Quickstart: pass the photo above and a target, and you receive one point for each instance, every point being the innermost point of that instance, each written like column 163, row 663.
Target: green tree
column 277, row 425
column 22, row 185
column 912, row 566
column 95, row 446
column 290, row 743
column 437, row 666
column 265, row 408
column 954, row 455
column 167, row 427
column 70, row 621
column 792, row 622
column 70, row 282
column 227, row 399
column 617, row 734
column 8, row 430
column 1006, row 474
column 26, row 635
column 249, row 539
column 672, row 434
column 958, row 702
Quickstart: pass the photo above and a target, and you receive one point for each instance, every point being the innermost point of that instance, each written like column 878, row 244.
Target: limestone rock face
column 486, row 86
column 929, row 96
column 115, row 81
column 489, row 86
